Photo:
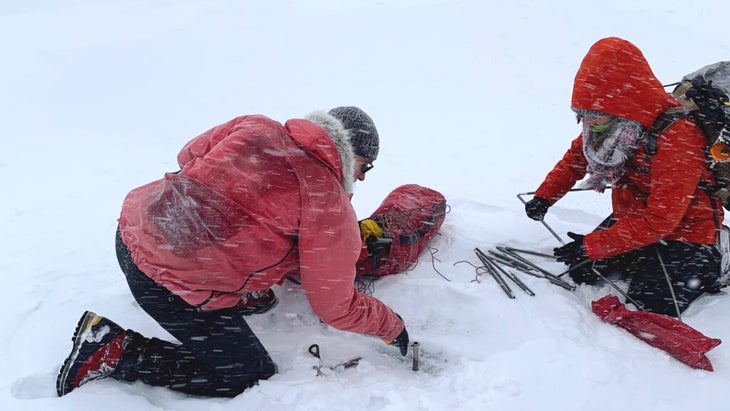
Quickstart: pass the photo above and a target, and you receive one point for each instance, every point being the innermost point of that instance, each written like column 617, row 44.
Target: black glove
column 583, row 273
column 401, row 341
column 379, row 246
column 537, row 208
column 573, row 252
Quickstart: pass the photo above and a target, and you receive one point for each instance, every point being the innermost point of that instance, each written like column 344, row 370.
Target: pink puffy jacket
column 254, row 202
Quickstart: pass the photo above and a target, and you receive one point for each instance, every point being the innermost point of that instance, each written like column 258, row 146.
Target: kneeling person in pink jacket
column 254, row 201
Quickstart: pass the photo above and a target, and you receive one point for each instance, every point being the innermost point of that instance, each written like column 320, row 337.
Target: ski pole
column 669, row 283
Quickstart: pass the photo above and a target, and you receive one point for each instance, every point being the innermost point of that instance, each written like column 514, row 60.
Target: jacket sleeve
column 202, row 144
column 570, row 169
column 675, row 173
column 329, row 245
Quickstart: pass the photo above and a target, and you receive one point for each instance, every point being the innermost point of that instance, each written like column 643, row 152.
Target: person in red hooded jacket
column 253, row 202
column 665, row 221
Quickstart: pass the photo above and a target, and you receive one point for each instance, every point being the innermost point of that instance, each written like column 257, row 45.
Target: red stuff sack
column 409, row 217
column 666, row 333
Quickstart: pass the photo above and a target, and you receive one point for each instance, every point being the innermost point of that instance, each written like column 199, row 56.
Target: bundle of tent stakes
column 666, row 333
column 499, row 264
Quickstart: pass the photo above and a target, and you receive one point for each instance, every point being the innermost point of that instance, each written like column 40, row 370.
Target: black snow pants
column 219, row 355
column 692, row 269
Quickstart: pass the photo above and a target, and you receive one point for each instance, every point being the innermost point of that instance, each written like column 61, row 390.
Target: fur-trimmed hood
column 341, row 138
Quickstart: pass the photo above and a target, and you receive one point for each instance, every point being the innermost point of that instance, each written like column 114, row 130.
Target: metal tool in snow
column 608, row 281
column 489, row 261
column 512, row 276
column 415, row 350
column 530, row 252
column 593, row 269
column 532, row 193
column 541, row 220
column 510, row 253
column 669, row 284
column 516, row 264
column 613, row 285
column 511, row 256
column 337, row 368
column 495, row 274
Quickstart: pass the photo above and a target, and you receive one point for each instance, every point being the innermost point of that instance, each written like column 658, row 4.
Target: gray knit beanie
column 363, row 134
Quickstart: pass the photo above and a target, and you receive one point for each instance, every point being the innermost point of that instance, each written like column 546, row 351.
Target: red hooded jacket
column 658, row 197
column 254, row 202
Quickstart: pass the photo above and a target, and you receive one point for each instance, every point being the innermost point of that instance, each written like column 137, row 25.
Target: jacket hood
column 341, row 138
column 615, row 78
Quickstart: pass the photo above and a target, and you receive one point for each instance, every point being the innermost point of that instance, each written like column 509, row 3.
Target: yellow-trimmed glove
column 376, row 239
column 370, row 228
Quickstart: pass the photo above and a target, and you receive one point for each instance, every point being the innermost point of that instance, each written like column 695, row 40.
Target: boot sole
column 85, row 323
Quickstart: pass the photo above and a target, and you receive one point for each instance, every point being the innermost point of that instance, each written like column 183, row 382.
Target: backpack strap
column 662, row 122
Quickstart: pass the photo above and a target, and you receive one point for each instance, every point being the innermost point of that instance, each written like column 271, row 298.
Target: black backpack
column 705, row 97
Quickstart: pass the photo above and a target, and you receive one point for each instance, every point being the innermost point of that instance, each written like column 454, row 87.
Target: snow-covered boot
column 258, row 302
column 98, row 345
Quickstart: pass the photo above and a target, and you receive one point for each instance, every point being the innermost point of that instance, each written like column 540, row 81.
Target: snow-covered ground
column 470, row 97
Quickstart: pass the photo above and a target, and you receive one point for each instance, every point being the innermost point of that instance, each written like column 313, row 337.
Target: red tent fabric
column 666, row 333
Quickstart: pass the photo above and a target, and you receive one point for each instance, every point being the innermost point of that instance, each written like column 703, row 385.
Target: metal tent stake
column 532, row 193
column 487, row 260
column 415, row 349
column 542, row 220
column 494, row 273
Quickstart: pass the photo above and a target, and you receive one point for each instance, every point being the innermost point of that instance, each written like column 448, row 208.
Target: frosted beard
column 609, row 151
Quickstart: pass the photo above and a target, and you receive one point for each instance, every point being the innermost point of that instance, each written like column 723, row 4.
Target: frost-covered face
column 608, row 144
